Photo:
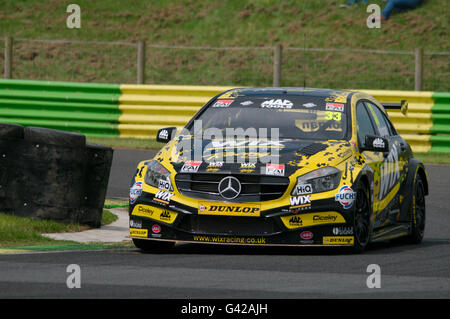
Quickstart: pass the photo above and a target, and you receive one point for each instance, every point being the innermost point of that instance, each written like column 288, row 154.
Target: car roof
column 290, row 91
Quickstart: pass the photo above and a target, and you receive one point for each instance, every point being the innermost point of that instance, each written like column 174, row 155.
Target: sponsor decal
column 223, row 103
column 334, row 107
column 296, row 221
column 134, row 232
column 236, row 143
column 248, row 165
column 378, row 142
column 231, row 240
column 165, row 185
column 156, row 229
column 165, row 215
column 155, row 213
column 390, row 172
column 302, row 189
column 135, row 192
column 301, row 202
column 163, row 197
column 312, row 219
column 164, row 134
column 275, row 169
column 325, row 218
column 342, row 240
column 145, row 211
column 342, row 230
column 225, row 209
column 346, row 196
column 278, row 104
column 309, row 105
column 306, row 235
column 215, row 164
column 191, row 167
column 246, row 103
column 135, row 224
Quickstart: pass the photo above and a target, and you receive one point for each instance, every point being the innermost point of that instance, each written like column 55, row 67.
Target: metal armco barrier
column 52, row 175
column 138, row 111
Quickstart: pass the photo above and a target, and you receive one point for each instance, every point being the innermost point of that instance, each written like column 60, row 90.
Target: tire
column 11, row 130
column 54, row 137
column 417, row 213
column 152, row 245
column 361, row 224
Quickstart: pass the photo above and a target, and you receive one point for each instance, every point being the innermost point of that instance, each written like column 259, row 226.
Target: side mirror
column 376, row 144
column 164, row 135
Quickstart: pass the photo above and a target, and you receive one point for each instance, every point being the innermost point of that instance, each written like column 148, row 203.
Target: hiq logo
column 346, row 196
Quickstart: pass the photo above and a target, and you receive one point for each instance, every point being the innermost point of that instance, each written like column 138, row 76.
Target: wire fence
column 119, row 62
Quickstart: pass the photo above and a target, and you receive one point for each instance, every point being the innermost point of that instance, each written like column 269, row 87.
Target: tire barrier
column 52, row 175
column 138, row 111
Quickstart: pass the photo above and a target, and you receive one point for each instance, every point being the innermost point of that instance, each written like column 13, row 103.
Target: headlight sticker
column 346, row 196
column 135, row 192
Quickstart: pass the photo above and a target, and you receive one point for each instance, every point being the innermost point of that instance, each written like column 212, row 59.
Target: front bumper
column 324, row 224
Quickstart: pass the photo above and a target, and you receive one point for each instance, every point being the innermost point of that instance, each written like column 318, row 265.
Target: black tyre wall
column 11, row 130
column 51, row 174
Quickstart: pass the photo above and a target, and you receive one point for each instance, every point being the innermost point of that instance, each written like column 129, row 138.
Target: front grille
column 228, row 225
column 255, row 188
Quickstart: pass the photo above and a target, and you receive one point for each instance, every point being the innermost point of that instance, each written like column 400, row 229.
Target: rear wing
column 402, row 106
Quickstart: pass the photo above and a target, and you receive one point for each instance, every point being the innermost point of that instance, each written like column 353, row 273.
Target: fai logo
column 223, row 103
column 275, row 169
column 191, row 167
column 346, row 196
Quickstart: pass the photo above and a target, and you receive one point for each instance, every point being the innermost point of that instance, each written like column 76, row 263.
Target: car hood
column 252, row 157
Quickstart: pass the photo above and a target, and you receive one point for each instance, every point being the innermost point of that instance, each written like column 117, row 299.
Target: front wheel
column 417, row 213
column 361, row 224
column 152, row 245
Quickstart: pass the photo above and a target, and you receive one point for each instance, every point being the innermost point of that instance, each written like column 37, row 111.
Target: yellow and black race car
column 281, row 166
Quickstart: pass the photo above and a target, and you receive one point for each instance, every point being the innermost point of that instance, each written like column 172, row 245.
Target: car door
column 391, row 169
column 366, row 126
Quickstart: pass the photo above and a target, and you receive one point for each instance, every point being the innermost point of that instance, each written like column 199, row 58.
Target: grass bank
column 23, row 231
column 242, row 23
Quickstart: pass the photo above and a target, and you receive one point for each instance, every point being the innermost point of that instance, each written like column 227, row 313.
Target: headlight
column 320, row 180
column 158, row 176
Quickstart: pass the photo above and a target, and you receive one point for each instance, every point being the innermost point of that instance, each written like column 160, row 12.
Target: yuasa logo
column 346, row 196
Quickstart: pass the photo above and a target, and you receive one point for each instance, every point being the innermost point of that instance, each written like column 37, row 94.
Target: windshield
column 296, row 117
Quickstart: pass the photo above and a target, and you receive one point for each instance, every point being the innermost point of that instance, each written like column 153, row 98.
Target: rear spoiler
column 402, row 106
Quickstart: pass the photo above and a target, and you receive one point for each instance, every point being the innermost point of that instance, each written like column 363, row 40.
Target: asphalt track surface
column 217, row 272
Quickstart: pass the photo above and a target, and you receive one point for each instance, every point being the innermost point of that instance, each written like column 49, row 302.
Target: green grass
column 294, row 23
column 24, row 231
